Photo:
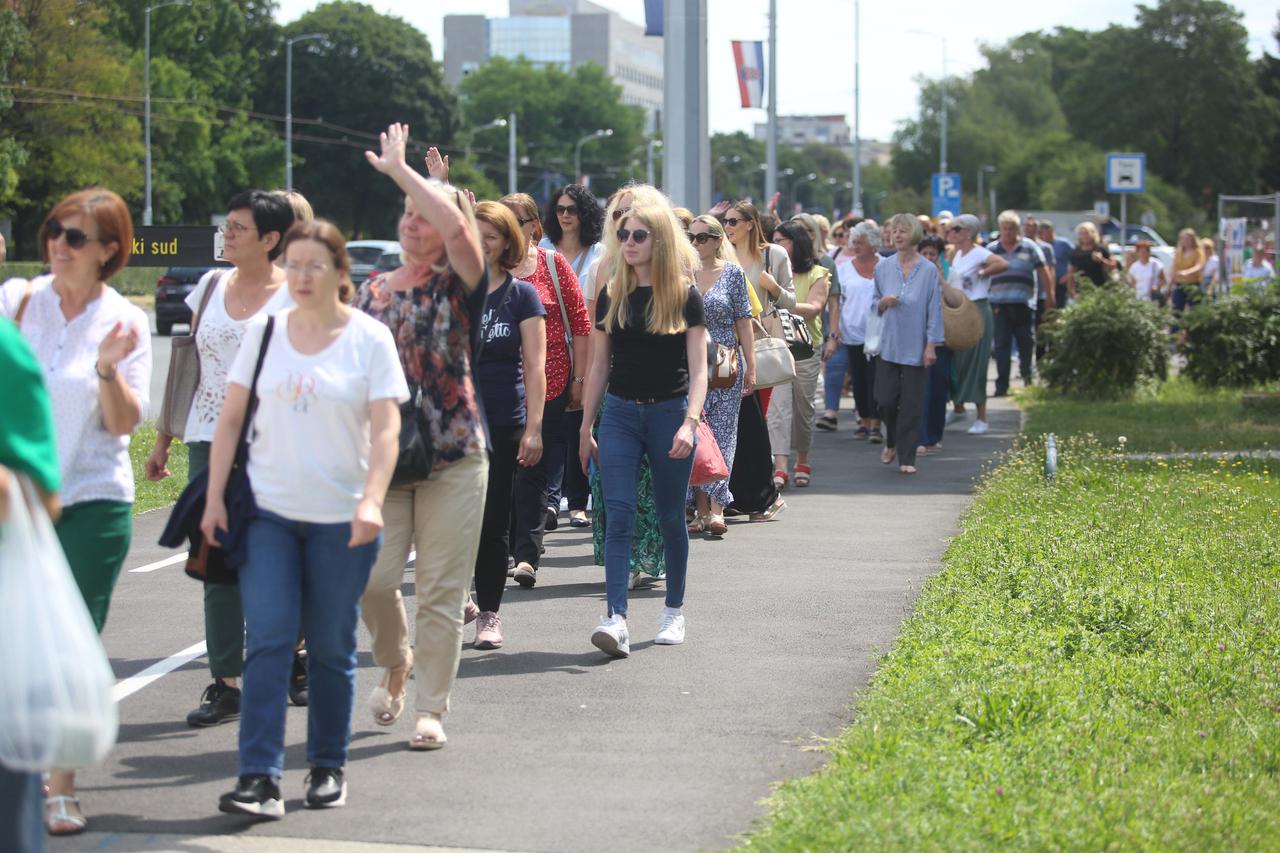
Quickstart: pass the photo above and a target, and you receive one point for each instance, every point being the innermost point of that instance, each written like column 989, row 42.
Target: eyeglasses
column 75, row 237
column 954, row 228
column 733, row 223
column 234, row 228
column 639, row 234
column 620, row 212
column 292, row 268
column 566, row 210
column 703, row 238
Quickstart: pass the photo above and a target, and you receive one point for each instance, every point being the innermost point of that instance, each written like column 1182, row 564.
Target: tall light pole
column 942, row 158
column 782, row 176
column 577, row 150
column 856, row 210
column 288, row 104
column 648, row 168
column 801, row 181
column 982, row 173
column 771, row 144
column 512, row 183
column 146, row 61
column 497, row 122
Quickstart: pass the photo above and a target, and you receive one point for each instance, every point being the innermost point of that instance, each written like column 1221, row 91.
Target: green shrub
column 130, row 281
column 1103, row 345
column 1234, row 342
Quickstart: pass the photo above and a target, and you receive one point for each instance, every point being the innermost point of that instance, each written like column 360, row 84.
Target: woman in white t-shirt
column 222, row 305
column 971, row 269
column 1146, row 274
column 95, row 349
column 857, row 284
column 323, row 444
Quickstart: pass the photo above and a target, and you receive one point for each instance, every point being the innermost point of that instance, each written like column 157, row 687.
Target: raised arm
column 461, row 243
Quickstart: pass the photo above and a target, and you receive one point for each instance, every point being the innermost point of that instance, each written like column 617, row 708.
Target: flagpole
column 857, row 112
column 771, row 156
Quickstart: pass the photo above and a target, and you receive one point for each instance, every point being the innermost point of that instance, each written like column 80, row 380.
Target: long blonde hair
column 671, row 271
column 640, row 194
column 724, row 249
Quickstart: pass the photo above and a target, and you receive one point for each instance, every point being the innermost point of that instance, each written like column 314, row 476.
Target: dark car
column 172, row 290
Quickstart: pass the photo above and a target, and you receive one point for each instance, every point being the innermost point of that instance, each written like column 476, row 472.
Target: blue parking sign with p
column 946, row 192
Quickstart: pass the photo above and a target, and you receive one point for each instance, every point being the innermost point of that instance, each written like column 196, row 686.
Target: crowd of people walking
column 655, row 371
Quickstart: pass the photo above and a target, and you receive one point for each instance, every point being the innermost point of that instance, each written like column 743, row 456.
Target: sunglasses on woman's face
column 620, row 212
column 524, row 222
column 733, row 223
column 75, row 237
column 703, row 238
column 566, row 210
column 639, row 234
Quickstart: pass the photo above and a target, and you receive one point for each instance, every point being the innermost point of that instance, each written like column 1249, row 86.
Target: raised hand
column 118, row 343
column 437, row 166
column 719, row 208
column 393, row 141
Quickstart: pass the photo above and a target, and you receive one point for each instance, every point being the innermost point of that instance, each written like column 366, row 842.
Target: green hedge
column 1234, row 342
column 1105, row 344
column 131, row 281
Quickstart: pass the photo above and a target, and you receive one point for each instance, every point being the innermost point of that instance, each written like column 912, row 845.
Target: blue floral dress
column 724, row 304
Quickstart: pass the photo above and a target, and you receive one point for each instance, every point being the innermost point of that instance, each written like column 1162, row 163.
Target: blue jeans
column 628, row 430
column 936, row 394
column 833, row 372
column 21, row 811
column 300, row 571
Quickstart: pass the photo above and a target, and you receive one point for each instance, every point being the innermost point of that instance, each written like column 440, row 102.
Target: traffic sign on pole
column 946, row 192
column 1126, row 173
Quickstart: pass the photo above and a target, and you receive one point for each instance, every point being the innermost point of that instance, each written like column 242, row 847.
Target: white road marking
column 159, row 564
column 128, row 686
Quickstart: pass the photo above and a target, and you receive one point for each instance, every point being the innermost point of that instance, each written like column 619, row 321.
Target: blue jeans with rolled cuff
column 833, row 373
column 630, row 429
column 300, row 573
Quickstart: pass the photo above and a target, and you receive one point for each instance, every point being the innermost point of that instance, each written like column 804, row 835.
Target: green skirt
column 95, row 536
column 971, row 365
column 646, row 546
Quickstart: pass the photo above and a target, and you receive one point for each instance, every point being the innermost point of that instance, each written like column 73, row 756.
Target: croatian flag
column 749, row 57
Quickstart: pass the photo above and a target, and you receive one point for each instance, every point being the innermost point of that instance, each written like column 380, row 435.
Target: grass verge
column 130, row 281
column 1179, row 416
column 1095, row 667
column 151, row 495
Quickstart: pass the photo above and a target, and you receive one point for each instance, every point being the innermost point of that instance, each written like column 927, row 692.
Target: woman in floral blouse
column 431, row 304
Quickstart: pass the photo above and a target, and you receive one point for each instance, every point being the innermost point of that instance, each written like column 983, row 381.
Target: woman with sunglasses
column 573, row 224
column 253, row 286
column 95, row 348
column 513, row 346
column 650, row 352
column 727, row 309
column 791, row 416
column 536, row 486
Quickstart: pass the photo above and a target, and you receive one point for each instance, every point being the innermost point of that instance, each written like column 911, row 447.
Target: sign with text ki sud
column 175, row 246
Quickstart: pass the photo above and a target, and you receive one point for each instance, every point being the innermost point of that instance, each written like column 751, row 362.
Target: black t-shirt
column 1082, row 260
column 648, row 366
column 501, row 365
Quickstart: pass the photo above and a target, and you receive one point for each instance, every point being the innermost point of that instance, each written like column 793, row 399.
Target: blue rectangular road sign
column 946, row 192
column 1126, row 173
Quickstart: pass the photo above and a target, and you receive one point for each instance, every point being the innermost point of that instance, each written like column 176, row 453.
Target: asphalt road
column 160, row 349
column 552, row 746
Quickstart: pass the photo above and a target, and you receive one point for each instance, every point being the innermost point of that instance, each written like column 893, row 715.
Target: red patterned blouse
column 579, row 323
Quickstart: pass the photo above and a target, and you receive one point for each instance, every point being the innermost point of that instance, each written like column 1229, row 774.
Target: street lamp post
column 856, row 209
column 146, row 209
column 942, row 158
column 648, row 168
column 288, row 105
column 782, row 176
column 512, row 182
column 801, row 181
column 982, row 173
column 497, row 122
column 577, row 150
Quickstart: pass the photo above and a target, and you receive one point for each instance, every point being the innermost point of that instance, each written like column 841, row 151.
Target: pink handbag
column 708, row 462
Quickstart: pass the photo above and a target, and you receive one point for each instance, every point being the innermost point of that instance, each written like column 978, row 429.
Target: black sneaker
column 254, row 795
column 825, row 423
column 326, row 788
column 298, row 680
column 553, row 519
column 218, row 704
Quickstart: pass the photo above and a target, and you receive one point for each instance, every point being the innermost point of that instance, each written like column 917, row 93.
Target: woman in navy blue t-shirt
column 510, row 366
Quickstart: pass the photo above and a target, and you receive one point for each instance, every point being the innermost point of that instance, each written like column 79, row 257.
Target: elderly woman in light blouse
column 908, row 298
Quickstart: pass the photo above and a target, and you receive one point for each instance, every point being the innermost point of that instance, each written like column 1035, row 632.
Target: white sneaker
column 611, row 637
column 978, row 428
column 671, row 629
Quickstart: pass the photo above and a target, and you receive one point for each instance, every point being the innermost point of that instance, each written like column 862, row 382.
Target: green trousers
column 95, row 536
column 223, row 616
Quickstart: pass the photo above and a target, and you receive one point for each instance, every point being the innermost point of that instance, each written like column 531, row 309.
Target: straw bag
column 961, row 320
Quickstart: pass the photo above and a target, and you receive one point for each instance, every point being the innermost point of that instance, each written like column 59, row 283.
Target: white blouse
column 218, row 340
column 95, row 464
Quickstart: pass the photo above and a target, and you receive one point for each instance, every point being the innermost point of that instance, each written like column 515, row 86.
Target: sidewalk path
column 552, row 746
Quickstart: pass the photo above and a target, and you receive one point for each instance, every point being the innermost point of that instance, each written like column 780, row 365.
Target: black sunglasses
column 524, row 222
column 566, row 209
column 640, row 234
column 620, row 212
column 704, row 237
column 75, row 237
column 729, row 220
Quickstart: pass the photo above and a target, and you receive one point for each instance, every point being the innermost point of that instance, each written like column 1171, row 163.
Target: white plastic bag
column 875, row 325
column 56, row 709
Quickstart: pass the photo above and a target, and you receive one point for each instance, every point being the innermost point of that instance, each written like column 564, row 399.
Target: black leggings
column 864, row 382
column 491, row 557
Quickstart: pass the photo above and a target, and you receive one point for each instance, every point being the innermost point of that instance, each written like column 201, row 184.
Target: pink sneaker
column 488, row 631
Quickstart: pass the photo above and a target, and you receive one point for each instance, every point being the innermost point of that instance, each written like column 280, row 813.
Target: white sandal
column 77, row 822
column 385, row 707
column 429, row 732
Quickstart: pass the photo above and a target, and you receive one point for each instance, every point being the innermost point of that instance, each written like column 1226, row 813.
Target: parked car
column 172, row 290
column 365, row 255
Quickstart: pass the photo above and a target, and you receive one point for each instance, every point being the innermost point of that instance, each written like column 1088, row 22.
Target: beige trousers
column 441, row 517
column 791, row 410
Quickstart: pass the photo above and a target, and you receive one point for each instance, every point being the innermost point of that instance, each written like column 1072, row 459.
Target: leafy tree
column 12, row 154
column 369, row 70
column 71, row 112
column 1269, row 83
column 554, row 109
